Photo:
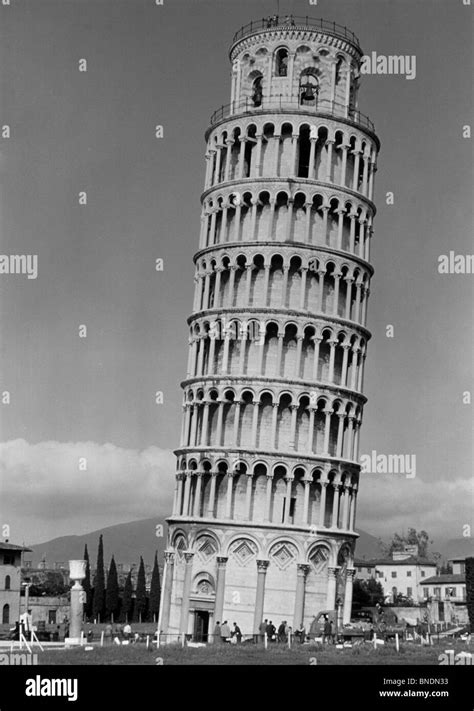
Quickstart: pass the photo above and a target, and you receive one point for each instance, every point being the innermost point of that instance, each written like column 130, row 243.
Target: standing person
column 281, row 633
column 301, row 633
column 262, row 628
column 127, row 631
column 216, row 636
column 225, row 631
column 271, row 632
column 108, row 633
column 236, row 632
column 327, row 630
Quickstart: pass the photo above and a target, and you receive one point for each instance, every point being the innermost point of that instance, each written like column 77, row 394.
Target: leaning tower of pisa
column 267, row 468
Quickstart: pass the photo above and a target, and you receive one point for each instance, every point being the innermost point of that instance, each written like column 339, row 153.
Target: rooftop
column 296, row 22
column 445, row 578
column 11, row 547
column 411, row 560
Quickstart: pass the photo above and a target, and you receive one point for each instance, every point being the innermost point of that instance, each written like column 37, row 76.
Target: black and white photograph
column 236, row 327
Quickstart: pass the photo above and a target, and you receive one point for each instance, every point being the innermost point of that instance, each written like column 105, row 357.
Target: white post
column 102, row 638
column 266, row 641
column 82, row 637
column 147, row 641
column 397, row 643
column 375, row 640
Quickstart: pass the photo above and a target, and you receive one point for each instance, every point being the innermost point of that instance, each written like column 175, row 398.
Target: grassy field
column 252, row 654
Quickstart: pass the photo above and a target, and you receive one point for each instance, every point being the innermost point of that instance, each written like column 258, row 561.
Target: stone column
column 241, row 165
column 205, row 424
column 266, row 279
column 294, row 413
column 312, row 157
column 327, row 430
column 329, row 143
column 230, row 299
column 344, row 147
column 228, row 503
column 355, row 181
column 187, row 491
column 271, row 220
column 289, row 482
column 165, row 605
column 299, row 347
column 220, row 417
column 332, row 355
column 348, row 281
column 322, row 504
column 317, row 340
column 183, row 624
column 256, row 406
column 284, row 287
column 353, row 218
column 302, row 571
column 307, row 485
column 365, row 175
column 309, row 445
column 220, row 588
column 273, row 441
column 335, row 506
column 212, row 495
column 350, row 572
column 337, row 281
column 304, row 272
column 321, row 289
column 345, row 358
column 262, row 566
column 345, row 512
column 268, row 498
column 236, row 423
column 248, row 496
column 353, row 508
column 340, row 225
column 197, row 496
column 331, row 592
column 281, row 336
column 340, row 434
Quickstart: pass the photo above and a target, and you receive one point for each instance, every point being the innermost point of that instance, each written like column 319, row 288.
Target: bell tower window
column 257, row 92
column 281, row 64
column 309, row 90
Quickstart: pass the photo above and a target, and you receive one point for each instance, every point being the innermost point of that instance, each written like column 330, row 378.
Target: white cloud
column 389, row 503
column 44, row 493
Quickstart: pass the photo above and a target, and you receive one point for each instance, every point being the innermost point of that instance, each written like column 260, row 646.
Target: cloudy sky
column 94, row 131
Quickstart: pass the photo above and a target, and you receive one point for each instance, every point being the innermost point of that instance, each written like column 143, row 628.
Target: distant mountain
column 125, row 541
column 128, row 541
column 457, row 548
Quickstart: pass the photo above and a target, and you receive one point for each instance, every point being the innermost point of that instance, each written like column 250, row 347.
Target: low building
column 403, row 574
column 451, row 586
column 49, row 610
column 10, row 581
column 365, row 569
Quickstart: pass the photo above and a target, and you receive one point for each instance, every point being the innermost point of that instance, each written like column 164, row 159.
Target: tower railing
column 295, row 22
column 322, row 107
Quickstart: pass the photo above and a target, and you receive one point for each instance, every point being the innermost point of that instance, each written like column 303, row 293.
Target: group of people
column 274, row 21
column 273, row 634
column 223, row 633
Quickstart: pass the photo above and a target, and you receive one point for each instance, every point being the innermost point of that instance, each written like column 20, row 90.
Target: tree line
column 108, row 601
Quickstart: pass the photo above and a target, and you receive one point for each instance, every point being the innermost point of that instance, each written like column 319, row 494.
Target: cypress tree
column 112, row 592
column 155, row 591
column 127, row 598
column 470, row 591
column 140, row 596
column 98, row 601
column 86, row 584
